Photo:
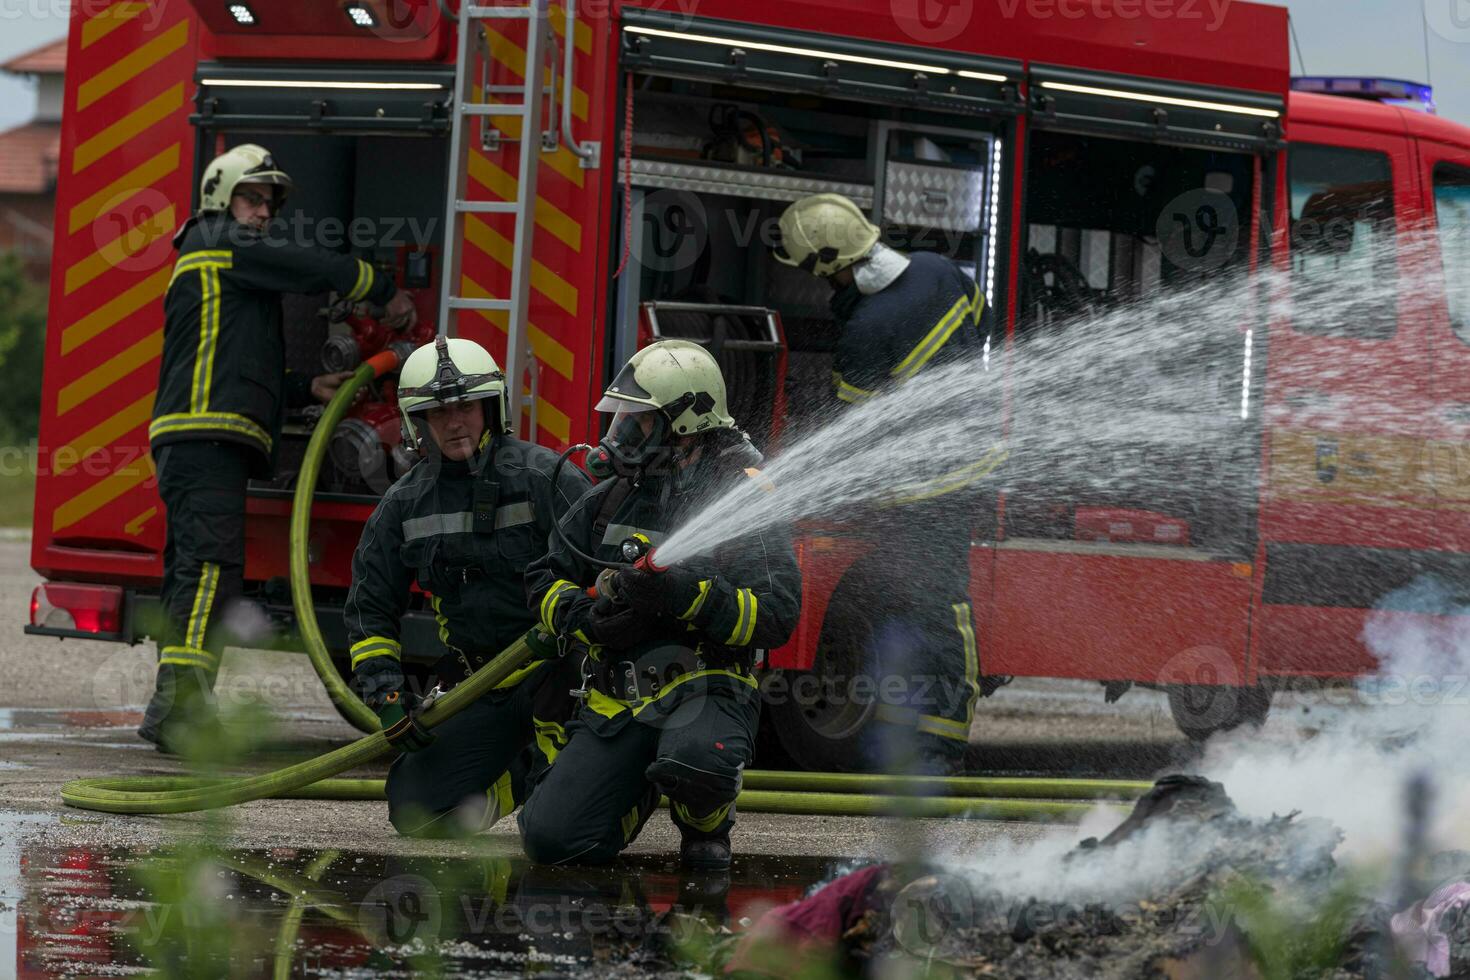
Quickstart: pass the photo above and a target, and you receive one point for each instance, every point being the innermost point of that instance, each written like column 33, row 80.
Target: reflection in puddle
column 293, row 912
column 29, row 719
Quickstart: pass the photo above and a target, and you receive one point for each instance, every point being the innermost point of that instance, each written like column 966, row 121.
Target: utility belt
column 653, row 671
column 457, row 665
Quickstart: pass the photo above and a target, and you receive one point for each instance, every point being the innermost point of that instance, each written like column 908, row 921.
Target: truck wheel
column 1201, row 710
column 814, row 716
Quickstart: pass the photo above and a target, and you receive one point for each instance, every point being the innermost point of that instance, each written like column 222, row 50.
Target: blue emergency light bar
column 1389, row 91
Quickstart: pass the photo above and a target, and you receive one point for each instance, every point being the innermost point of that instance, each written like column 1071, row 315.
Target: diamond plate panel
column 949, row 198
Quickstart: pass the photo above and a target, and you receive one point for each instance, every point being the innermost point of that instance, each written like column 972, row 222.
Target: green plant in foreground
column 1290, row 936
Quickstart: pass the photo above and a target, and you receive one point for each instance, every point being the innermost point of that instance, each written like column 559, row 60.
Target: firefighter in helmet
column 222, row 391
column 669, row 703
column 463, row 524
column 899, row 314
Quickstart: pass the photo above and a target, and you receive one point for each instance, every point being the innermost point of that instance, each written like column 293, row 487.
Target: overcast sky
column 1338, row 37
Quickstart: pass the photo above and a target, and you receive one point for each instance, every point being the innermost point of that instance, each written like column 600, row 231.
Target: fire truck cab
column 1070, row 165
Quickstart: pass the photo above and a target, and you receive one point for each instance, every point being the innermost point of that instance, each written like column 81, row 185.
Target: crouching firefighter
column 898, row 315
column 463, row 524
column 668, row 701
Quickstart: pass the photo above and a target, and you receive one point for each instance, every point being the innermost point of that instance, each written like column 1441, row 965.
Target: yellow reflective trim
column 630, row 823
column 549, row 601
column 707, row 823
column 964, row 622
column 209, row 308
column 195, row 260
column 71, row 454
column 107, row 316
column 684, row 679
column 364, row 284
column 375, row 646
column 203, row 599
column 150, row 113
column 602, row 704
column 108, row 372
column 750, row 625
column 743, row 598
column 142, row 176
column 209, row 422
column 114, row 253
column 698, row 603
column 502, row 800
column 188, row 657
column 550, row 737
column 933, row 340
column 105, row 21
column 102, row 493
column 849, row 392
column 944, row 727
column 128, row 67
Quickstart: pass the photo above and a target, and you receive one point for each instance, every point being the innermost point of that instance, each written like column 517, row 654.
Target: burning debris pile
column 1185, row 887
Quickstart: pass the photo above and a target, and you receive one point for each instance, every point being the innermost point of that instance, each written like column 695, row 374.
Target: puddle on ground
column 30, row 719
column 69, row 911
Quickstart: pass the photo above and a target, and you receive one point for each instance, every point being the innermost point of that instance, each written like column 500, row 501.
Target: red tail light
column 86, row 608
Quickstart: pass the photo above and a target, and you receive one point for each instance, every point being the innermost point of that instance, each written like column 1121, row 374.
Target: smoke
column 1363, row 745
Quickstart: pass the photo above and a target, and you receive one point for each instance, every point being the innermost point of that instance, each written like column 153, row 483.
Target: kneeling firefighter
column 669, row 703
column 898, row 314
column 463, row 523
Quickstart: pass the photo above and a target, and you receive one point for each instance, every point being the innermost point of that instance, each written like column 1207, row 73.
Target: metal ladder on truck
column 467, row 107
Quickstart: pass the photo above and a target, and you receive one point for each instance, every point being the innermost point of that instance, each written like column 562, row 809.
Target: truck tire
column 811, row 716
column 1202, row 710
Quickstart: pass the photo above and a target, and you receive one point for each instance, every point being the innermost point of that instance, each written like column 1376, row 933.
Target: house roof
column 45, row 59
column 28, row 156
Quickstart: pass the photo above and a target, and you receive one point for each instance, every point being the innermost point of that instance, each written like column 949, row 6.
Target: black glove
column 621, row 626
column 402, row 729
column 671, row 592
column 379, row 682
column 543, row 645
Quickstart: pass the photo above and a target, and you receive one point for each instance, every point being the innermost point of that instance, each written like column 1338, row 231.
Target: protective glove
column 668, row 593
column 379, row 682
column 621, row 627
column 395, row 714
column 543, row 645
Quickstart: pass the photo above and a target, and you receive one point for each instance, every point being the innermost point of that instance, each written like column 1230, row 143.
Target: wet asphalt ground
column 71, row 888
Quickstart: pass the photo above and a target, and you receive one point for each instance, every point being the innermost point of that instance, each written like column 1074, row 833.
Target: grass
column 17, row 497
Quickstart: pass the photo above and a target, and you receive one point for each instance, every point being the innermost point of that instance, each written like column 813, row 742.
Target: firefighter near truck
column 566, row 187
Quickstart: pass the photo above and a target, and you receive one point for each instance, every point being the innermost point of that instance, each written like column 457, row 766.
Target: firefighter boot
column 705, row 853
column 181, row 710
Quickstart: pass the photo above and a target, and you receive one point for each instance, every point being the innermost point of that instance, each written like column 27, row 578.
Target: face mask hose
column 633, row 551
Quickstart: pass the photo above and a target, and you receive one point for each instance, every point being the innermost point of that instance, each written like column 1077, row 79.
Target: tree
column 22, row 346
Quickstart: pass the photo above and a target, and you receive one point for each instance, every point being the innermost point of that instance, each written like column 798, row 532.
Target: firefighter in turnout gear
column 463, row 524
column 669, row 703
column 897, row 315
column 216, row 419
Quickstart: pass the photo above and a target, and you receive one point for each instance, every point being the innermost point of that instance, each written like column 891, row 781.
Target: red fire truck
column 637, row 148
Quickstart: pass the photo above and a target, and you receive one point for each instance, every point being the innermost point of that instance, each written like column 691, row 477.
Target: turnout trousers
column 482, row 761
column 202, row 484
column 923, row 633
column 619, row 760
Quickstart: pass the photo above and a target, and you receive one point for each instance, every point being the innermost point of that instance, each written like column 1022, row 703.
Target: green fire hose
column 349, row 705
